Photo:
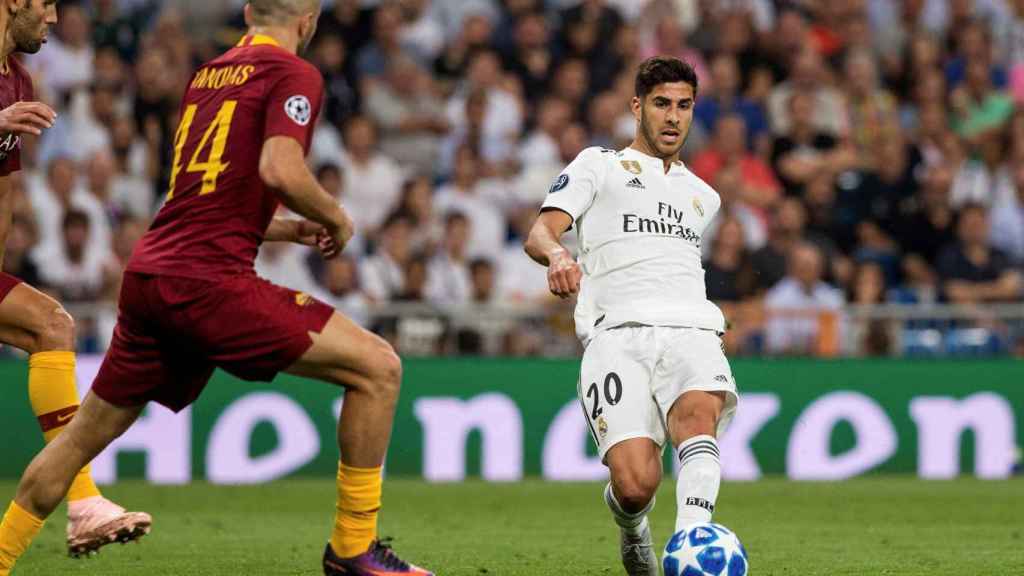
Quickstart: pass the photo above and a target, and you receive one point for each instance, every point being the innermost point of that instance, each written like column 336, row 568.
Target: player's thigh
column 615, row 389
column 30, row 319
column 635, row 466
column 347, row 354
column 694, row 377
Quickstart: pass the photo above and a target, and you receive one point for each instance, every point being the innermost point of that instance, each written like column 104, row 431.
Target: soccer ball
column 705, row 550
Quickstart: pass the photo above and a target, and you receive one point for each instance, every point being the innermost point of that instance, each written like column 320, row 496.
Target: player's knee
column 387, row 371
column 635, row 491
column 696, row 418
column 54, row 330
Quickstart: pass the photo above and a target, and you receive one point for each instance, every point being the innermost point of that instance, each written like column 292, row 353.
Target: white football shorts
column 632, row 375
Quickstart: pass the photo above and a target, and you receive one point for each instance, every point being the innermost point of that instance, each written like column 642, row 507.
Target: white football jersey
column 640, row 233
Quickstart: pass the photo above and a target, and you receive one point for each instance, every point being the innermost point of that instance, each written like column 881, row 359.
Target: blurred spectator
column 482, row 278
column 121, row 195
column 448, row 271
column 603, row 116
column 421, row 33
column 971, row 270
column 828, row 112
column 873, row 110
column 67, row 62
column 724, row 97
column 520, row 279
column 17, row 257
column 475, row 35
column 805, row 151
column 926, row 221
column 541, row 143
column 536, row 177
column 727, row 273
column 372, row 181
column 494, row 125
column 868, row 289
column 796, row 304
column 979, row 111
column 670, row 40
column 418, row 204
column 410, row 116
column 1008, row 220
column 341, row 91
column 284, row 263
column 57, row 195
column 376, row 56
column 341, row 289
column 383, row 273
column 728, row 150
column 481, row 200
column 530, row 56
column 74, row 270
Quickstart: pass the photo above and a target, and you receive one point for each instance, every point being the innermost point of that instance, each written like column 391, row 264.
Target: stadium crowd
column 866, row 151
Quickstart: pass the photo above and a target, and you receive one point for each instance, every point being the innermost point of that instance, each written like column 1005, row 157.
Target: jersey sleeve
column 576, row 187
column 293, row 104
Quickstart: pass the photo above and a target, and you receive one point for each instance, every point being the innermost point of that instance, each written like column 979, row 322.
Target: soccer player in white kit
column 653, row 366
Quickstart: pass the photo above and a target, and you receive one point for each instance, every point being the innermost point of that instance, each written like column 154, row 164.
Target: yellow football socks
column 355, row 524
column 16, row 532
column 51, row 390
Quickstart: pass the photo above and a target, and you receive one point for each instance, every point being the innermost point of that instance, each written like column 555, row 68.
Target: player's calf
column 693, row 422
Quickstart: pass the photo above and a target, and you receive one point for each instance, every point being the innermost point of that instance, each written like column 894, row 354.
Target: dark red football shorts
column 172, row 332
column 7, row 283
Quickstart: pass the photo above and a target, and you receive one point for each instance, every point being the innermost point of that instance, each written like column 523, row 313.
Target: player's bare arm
column 283, row 168
column 305, row 232
column 543, row 246
column 26, row 118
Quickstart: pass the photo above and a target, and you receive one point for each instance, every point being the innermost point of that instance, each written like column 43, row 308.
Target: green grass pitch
column 873, row 526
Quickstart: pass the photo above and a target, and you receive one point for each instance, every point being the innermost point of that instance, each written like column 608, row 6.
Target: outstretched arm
column 544, row 247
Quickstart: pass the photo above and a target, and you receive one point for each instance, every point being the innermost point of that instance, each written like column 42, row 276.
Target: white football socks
column 632, row 523
column 700, row 474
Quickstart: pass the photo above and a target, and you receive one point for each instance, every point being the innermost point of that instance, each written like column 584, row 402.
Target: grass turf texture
column 873, row 526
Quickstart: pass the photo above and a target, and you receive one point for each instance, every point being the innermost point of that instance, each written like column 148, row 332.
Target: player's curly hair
column 661, row 69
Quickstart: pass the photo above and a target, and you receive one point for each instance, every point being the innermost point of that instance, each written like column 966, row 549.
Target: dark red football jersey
column 15, row 86
column 218, row 209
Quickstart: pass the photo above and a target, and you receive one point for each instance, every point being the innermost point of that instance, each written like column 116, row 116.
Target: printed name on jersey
column 299, row 109
column 217, row 78
column 8, row 144
column 560, row 183
column 669, row 223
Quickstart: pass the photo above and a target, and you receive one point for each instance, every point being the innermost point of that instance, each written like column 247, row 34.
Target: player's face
column 664, row 116
column 31, row 24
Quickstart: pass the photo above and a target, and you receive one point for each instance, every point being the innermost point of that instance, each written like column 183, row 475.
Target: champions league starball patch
column 299, row 110
column 560, row 183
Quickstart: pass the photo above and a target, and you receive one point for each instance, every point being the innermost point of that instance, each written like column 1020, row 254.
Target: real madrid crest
column 602, row 427
column 697, row 206
column 632, row 166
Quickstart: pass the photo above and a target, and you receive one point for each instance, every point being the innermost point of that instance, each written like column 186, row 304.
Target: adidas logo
column 636, row 183
column 722, row 378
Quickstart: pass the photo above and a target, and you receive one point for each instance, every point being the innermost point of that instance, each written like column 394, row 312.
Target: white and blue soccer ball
column 705, row 550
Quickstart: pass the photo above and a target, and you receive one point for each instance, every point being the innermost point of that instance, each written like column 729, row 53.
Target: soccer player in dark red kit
column 31, row 320
column 191, row 302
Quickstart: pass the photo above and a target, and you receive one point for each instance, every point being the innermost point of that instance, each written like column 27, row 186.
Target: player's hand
column 26, row 118
column 308, row 232
column 563, row 274
column 340, row 234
